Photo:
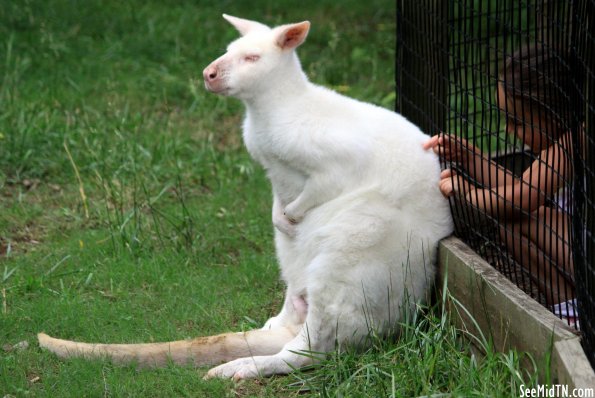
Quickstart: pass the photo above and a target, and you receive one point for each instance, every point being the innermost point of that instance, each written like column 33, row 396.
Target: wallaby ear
column 245, row 25
column 291, row 36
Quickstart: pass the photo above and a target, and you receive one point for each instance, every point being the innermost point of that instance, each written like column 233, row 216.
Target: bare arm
column 515, row 196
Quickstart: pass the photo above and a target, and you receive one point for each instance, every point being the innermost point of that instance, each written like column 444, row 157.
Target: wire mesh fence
column 507, row 88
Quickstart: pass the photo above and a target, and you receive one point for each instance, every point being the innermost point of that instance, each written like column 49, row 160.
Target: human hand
column 450, row 147
column 451, row 183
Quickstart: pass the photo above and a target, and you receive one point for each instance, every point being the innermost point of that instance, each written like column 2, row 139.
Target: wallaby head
column 258, row 58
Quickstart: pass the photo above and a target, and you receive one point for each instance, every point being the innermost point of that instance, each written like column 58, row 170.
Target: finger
column 446, row 187
column 431, row 143
column 446, row 173
column 452, row 140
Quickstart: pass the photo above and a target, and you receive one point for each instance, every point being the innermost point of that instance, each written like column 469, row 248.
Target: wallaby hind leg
column 316, row 336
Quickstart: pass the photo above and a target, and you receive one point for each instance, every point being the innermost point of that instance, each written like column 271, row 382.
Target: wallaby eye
column 251, row 58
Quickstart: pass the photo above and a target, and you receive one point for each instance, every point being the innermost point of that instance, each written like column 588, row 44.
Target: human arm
column 517, row 196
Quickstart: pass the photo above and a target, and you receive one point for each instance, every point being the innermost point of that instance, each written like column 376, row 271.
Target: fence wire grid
column 508, row 87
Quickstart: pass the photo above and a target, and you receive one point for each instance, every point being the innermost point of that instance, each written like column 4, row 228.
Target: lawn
column 130, row 211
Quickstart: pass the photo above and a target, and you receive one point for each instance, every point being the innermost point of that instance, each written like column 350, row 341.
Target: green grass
column 130, row 212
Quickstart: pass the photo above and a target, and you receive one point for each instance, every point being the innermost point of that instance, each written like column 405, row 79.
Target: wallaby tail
column 200, row 351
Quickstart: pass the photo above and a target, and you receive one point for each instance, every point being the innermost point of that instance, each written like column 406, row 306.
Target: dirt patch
column 26, row 204
column 20, row 241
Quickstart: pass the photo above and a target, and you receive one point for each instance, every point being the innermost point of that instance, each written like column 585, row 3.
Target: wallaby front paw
column 292, row 214
column 284, row 225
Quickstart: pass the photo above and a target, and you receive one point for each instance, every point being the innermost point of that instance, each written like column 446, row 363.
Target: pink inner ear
column 293, row 36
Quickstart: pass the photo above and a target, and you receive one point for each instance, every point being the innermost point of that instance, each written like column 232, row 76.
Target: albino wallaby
column 356, row 207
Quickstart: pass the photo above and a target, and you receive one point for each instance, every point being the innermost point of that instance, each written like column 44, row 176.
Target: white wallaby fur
column 356, row 207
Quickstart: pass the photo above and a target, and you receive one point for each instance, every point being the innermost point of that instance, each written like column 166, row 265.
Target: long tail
column 200, row 351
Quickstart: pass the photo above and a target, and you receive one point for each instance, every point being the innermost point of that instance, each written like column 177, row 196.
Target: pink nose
column 210, row 73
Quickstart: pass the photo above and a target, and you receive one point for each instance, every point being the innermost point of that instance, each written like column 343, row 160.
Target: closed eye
column 251, row 58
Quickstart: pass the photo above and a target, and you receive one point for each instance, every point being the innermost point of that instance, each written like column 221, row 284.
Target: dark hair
column 541, row 76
